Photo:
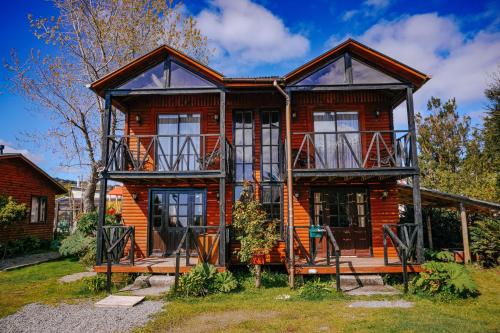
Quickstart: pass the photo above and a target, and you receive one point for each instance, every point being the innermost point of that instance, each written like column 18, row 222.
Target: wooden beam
column 465, row 233
column 429, row 229
column 222, row 181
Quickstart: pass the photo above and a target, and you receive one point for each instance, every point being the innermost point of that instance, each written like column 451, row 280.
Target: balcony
column 357, row 153
column 167, row 156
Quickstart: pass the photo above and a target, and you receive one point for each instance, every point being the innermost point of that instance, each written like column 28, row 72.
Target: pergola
column 437, row 199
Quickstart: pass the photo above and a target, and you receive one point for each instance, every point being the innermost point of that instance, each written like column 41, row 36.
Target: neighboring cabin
column 26, row 183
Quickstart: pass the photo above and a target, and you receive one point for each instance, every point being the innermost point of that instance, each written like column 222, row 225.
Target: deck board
column 152, row 265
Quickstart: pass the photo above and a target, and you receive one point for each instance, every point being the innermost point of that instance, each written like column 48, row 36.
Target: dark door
column 345, row 211
column 171, row 212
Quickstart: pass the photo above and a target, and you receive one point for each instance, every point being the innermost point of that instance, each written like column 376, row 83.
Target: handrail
column 205, row 256
column 352, row 150
column 119, row 245
column 165, row 153
column 404, row 248
column 337, row 256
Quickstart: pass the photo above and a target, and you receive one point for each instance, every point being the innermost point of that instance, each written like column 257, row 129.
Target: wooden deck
column 354, row 265
column 157, row 265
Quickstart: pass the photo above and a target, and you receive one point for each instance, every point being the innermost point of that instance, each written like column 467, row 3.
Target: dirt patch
column 219, row 321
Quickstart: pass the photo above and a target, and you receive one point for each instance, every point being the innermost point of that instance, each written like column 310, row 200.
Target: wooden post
column 429, row 229
column 465, row 233
column 222, row 180
column 104, row 179
column 417, row 204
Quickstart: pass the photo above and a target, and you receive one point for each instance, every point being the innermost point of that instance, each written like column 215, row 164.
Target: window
column 341, row 208
column 243, row 144
column 270, row 154
column 181, row 77
column 38, row 209
column 338, row 141
column 333, row 73
column 153, row 78
column 271, row 202
column 179, row 142
column 364, row 74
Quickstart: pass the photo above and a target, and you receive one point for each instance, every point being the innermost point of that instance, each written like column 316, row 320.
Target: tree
column 89, row 39
column 256, row 233
column 491, row 128
column 10, row 213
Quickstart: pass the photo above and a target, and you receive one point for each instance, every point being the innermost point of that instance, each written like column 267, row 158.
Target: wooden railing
column 115, row 239
column 352, row 150
column 403, row 238
column 203, row 240
column 191, row 153
column 311, row 256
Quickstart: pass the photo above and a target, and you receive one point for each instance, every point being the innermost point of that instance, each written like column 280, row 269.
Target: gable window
column 346, row 70
column 38, row 209
column 243, row 145
column 166, row 74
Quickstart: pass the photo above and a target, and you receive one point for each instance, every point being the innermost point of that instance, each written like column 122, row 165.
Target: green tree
column 10, row 213
column 88, row 40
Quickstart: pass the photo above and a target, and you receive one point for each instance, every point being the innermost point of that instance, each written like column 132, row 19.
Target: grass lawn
column 39, row 284
column 258, row 310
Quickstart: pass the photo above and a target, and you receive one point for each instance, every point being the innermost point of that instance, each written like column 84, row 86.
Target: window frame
column 44, row 212
column 236, row 182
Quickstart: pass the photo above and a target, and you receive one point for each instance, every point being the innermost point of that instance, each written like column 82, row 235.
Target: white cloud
column 35, row 158
column 368, row 8
column 247, row 34
column 459, row 64
column 377, row 3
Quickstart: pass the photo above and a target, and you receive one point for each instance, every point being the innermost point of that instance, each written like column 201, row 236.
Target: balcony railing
column 172, row 154
column 351, row 150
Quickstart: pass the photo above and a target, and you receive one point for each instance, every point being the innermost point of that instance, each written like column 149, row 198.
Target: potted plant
column 255, row 232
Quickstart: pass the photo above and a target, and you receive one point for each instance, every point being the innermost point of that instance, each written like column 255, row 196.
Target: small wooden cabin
column 319, row 146
column 26, row 183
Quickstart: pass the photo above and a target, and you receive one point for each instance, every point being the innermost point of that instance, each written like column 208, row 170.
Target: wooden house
column 26, row 183
column 319, row 146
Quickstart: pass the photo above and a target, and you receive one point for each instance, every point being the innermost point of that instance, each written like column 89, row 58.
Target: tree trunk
column 258, row 276
column 89, row 193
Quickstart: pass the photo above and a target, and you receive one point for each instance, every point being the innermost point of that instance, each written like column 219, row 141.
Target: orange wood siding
column 21, row 181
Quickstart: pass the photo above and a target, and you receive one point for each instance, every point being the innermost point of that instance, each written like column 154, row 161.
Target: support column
column 429, row 229
column 417, row 204
column 465, row 234
column 103, row 183
column 222, row 180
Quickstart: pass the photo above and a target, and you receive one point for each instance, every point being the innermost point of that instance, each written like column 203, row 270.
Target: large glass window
column 337, row 140
column 179, row 142
column 364, row 74
column 333, row 73
column 271, row 141
column 153, row 78
column 243, row 145
column 181, row 77
column 341, row 208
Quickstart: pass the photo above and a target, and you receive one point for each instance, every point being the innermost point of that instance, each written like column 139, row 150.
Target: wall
column 21, row 181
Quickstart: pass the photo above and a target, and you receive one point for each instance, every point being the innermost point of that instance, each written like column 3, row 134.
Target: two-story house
column 318, row 146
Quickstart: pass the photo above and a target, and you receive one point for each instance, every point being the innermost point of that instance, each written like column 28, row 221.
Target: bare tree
column 91, row 38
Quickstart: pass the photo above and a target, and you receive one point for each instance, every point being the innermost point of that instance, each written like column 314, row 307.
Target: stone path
column 76, row 277
column 381, row 304
column 29, row 260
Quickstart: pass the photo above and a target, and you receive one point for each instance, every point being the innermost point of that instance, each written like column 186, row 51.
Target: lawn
column 39, row 284
column 259, row 310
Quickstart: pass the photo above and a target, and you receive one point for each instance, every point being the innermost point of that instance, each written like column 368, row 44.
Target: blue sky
column 457, row 43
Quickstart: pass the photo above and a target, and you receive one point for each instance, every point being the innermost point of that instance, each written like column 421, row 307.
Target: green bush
column 76, row 244
column 11, row 211
column 445, row 280
column 316, row 289
column 95, row 284
column 204, row 279
column 23, row 246
column 443, row 256
column 485, row 237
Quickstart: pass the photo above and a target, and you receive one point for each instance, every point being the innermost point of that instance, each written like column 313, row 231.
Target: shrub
column 443, row 256
column 11, row 211
column 23, row 246
column 446, row 280
column 95, row 284
column 75, row 244
column 485, row 237
column 315, row 289
column 204, row 279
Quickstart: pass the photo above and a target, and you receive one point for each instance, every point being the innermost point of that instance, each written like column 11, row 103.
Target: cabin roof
column 9, row 156
column 439, row 199
column 352, row 46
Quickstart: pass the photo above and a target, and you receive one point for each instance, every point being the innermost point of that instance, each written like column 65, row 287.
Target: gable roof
column 142, row 63
column 388, row 64
column 357, row 49
column 59, row 188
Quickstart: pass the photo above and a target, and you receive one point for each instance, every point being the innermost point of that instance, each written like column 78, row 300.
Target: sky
column 456, row 43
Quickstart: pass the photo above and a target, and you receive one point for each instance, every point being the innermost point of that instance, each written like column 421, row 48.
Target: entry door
column 172, row 211
column 345, row 210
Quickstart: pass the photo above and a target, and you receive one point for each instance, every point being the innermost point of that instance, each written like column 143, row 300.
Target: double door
column 172, row 211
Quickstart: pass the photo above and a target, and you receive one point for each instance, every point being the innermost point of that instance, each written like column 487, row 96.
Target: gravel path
column 76, row 318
